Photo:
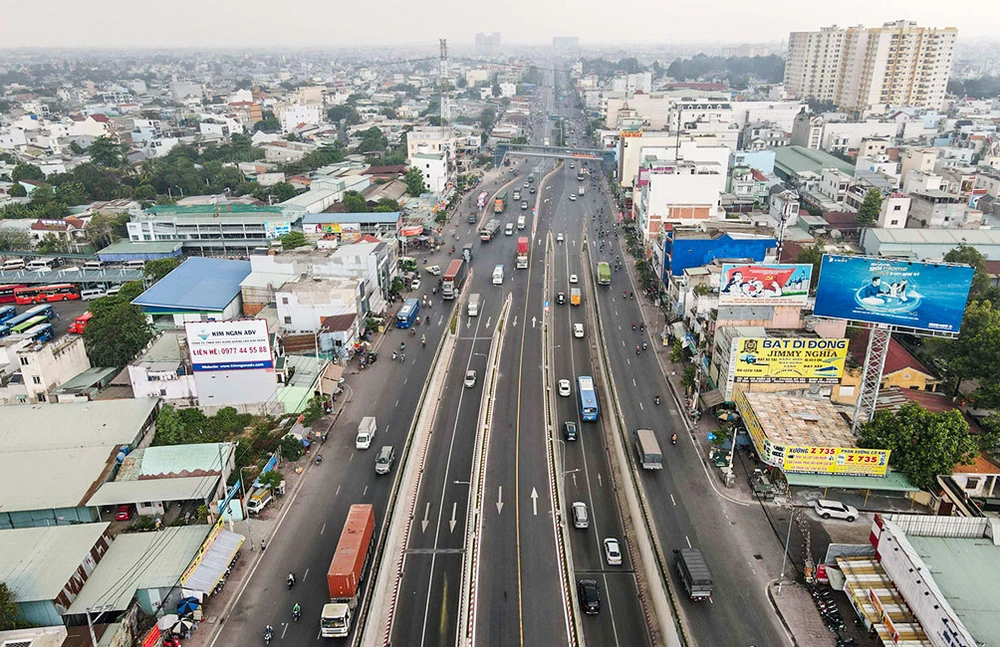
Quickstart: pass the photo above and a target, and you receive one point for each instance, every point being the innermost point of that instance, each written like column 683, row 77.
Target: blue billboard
column 924, row 296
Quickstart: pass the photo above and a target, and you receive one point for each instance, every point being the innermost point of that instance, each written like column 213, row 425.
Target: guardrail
column 650, row 551
column 473, row 531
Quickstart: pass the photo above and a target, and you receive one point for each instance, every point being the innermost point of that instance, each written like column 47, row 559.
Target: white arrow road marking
column 534, row 501
column 499, row 499
column 425, row 520
column 533, row 321
column 453, row 521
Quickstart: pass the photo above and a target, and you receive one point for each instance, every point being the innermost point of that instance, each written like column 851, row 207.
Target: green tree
column 372, row 139
column 269, row 124
column 107, row 153
column 290, row 447
column 104, row 229
column 975, row 353
column 160, row 267
column 144, row 193
column 283, row 191
column 170, row 429
column 75, row 148
column 967, row 255
column 16, row 190
column 27, row 172
column 314, row 411
column 271, row 479
column 414, row 179
column 52, row 244
column 344, row 111
column 354, row 202
column 386, row 205
column 15, row 239
column 814, row 256
column 9, row 618
column 924, row 445
column 72, row 193
column 118, row 330
column 870, row 208
column 293, row 239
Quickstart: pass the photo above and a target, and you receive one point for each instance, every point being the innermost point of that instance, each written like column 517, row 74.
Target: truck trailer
column 647, row 449
column 453, row 279
column 694, row 573
column 489, row 230
column 347, row 571
column 522, row 253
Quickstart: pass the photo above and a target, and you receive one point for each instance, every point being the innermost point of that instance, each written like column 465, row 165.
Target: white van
column 93, row 265
column 508, row 230
column 521, row 220
column 366, row 432
column 41, row 265
column 498, row 275
column 474, row 305
column 113, row 292
column 135, row 265
column 90, row 295
column 13, row 264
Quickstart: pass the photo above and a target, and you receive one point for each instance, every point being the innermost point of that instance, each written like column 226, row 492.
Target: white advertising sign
column 229, row 345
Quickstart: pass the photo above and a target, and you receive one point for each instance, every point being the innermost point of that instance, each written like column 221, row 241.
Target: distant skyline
column 315, row 23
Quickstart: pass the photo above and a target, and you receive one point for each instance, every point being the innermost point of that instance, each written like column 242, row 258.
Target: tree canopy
column 293, row 239
column 160, row 267
column 8, row 609
column 27, row 172
column 924, row 445
column 769, row 69
column 354, row 202
column 414, row 179
column 982, row 287
column 118, row 330
column 107, row 153
column 870, row 208
column 975, row 353
column 814, row 256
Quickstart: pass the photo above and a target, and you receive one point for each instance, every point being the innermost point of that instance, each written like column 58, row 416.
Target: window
column 41, row 397
column 897, row 207
column 972, row 483
column 24, row 361
column 35, row 379
column 284, row 301
column 288, row 321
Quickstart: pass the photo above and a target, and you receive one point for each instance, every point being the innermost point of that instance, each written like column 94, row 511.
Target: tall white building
column 861, row 68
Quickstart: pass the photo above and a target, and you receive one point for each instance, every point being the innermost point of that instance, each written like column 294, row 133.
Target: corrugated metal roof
column 36, row 563
column 135, row 247
column 891, row 482
column 967, row 571
column 187, row 488
column 199, row 284
column 797, row 159
column 178, row 459
column 69, row 451
column 143, row 560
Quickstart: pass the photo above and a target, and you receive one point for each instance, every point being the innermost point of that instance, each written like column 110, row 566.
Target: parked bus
column 588, row 397
column 45, row 311
column 41, row 333
column 27, row 324
column 80, row 323
column 7, row 292
column 481, row 200
column 408, row 313
column 500, row 203
column 44, row 293
column 604, row 273
column 7, row 313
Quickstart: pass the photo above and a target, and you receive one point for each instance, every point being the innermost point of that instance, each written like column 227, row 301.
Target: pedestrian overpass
column 503, row 150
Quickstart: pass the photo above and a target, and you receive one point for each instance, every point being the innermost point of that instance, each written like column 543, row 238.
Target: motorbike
column 656, row 399
column 637, row 350
column 633, row 325
column 413, row 332
column 644, row 346
column 673, row 439
column 296, row 614
column 291, row 578
column 268, row 634
column 319, row 459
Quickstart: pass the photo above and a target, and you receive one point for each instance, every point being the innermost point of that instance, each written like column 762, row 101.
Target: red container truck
column 347, row 571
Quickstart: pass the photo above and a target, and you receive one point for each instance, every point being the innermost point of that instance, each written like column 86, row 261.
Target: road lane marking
column 425, row 520
column 453, row 520
column 687, row 540
column 305, row 575
column 633, row 382
column 323, row 529
column 672, row 500
column 499, row 499
column 534, row 501
column 365, row 492
column 337, row 493
column 352, row 457
column 396, row 404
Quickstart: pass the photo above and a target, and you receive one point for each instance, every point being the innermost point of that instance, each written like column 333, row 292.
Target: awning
column 709, row 399
column 213, row 562
column 891, row 482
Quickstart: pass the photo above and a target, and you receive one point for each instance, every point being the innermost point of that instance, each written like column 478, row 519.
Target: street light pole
column 244, row 489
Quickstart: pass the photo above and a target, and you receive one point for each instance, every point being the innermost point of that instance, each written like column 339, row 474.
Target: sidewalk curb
column 777, row 612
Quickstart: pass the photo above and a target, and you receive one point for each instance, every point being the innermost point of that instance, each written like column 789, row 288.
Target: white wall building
column 434, row 166
column 292, row 115
column 43, row 367
column 895, row 210
column 163, row 370
column 303, row 303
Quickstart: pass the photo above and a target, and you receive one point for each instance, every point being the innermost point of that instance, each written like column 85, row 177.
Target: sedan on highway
column 559, row 238
column 572, row 197
column 565, row 389
column 470, row 379
column 434, row 270
column 578, row 330
column 589, row 593
column 612, row 552
column 573, row 278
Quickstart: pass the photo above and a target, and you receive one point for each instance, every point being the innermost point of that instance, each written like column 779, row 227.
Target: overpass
column 606, row 157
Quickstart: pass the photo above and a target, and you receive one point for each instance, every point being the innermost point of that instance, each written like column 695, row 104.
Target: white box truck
column 366, row 432
column 474, row 305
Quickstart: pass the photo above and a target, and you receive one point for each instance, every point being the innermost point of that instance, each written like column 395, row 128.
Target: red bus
column 7, row 293
column 80, row 323
column 45, row 293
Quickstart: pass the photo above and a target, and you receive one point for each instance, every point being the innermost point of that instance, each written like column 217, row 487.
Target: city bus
column 481, row 200
column 7, row 292
column 7, row 313
column 588, row 397
column 41, row 333
column 44, row 293
column 408, row 313
column 28, row 324
column 603, row 273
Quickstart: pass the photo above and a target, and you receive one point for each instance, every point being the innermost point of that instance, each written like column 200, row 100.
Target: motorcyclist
column 413, row 332
column 631, row 295
column 637, row 350
column 673, row 439
column 423, row 340
column 296, row 611
column 656, row 399
column 291, row 580
column 644, row 346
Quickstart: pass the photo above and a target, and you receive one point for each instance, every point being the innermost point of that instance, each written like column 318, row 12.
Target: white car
column 572, row 197
column 559, row 238
column 573, row 278
column 565, row 389
column 612, row 552
column 415, row 285
column 835, row 509
column 578, row 330
column 434, row 270
column 470, row 379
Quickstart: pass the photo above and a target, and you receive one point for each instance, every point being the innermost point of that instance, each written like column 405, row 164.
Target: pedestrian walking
column 263, row 546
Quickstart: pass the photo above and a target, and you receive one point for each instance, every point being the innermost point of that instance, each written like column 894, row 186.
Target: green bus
column 603, row 273
column 25, row 325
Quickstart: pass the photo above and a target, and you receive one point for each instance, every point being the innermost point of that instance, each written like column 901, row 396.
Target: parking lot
column 66, row 312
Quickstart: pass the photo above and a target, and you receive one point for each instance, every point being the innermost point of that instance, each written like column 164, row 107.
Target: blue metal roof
column 387, row 217
column 198, row 284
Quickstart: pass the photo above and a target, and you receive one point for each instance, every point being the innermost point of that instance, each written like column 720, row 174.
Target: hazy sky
column 334, row 23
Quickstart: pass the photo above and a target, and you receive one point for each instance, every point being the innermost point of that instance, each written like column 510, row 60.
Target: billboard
column 918, row 295
column 274, row 229
column 788, row 360
column 846, row 461
column 765, row 284
column 237, row 345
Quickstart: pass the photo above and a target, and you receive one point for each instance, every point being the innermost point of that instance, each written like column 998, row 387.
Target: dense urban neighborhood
column 484, row 343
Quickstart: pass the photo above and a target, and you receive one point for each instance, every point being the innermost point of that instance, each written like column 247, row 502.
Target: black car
column 561, row 298
column 569, row 430
column 472, row 218
column 590, row 596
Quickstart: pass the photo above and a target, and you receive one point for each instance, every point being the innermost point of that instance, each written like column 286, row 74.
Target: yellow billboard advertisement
column 847, row 461
column 791, row 360
column 750, row 421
